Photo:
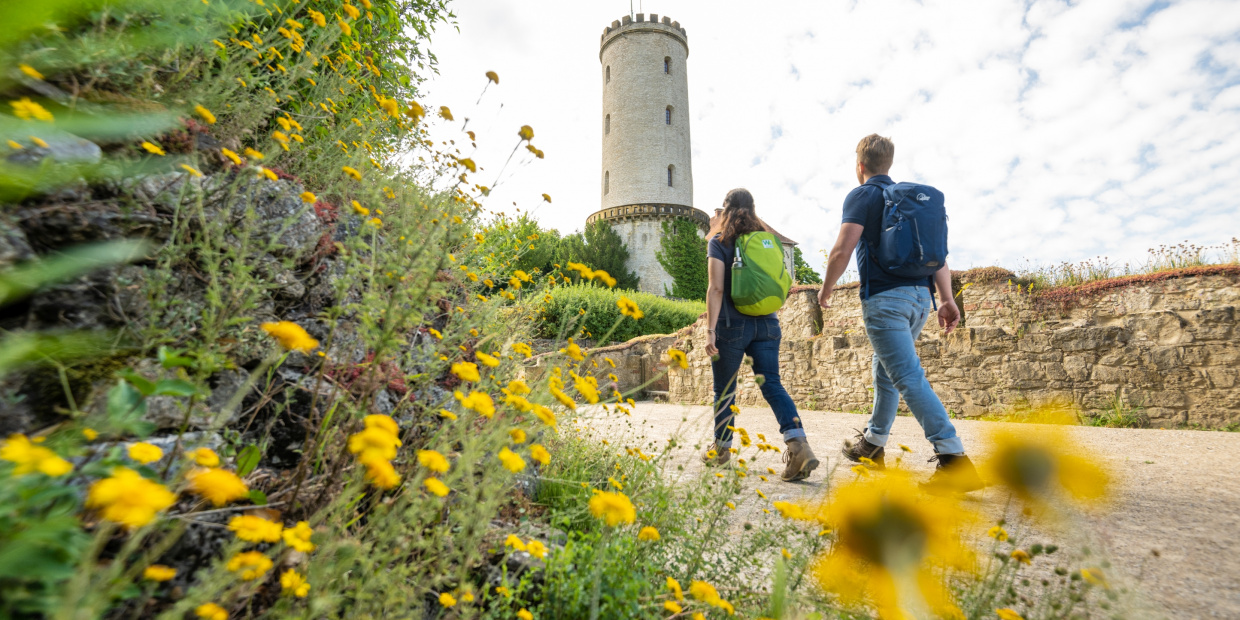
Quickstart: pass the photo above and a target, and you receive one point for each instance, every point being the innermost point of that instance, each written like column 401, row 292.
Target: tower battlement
column 642, row 22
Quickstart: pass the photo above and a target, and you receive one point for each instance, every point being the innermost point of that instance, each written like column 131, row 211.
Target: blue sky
column 1058, row 131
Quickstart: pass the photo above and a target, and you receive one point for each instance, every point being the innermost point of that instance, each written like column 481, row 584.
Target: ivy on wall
column 683, row 256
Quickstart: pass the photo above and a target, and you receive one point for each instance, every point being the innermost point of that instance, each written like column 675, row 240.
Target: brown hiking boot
column 800, row 459
column 714, row 457
column 953, row 474
column 859, row 451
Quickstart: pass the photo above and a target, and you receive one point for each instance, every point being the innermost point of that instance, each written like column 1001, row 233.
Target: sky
column 1058, row 131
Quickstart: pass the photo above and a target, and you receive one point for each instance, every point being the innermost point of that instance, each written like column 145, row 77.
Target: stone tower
column 647, row 175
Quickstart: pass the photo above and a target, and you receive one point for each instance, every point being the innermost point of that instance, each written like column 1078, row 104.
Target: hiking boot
column 859, row 449
column 954, row 473
column 800, row 459
column 714, row 457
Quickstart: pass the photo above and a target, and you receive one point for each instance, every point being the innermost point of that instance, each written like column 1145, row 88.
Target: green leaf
column 171, row 358
column 175, row 387
column 258, row 497
column 140, row 383
column 21, row 281
column 19, row 348
column 247, row 460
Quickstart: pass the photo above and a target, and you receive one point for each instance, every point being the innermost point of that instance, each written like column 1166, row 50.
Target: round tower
column 647, row 173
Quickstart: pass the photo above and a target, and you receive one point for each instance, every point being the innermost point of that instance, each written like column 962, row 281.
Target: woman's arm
column 716, row 271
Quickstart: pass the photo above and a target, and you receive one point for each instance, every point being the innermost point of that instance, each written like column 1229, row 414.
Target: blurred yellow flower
column 466, row 371
column 515, row 542
column 211, row 611
column 1040, row 464
column 352, row 172
column 517, row 435
column 380, row 472
column 524, row 614
column 672, row 606
column 218, row 486
column 129, row 499
column 433, row 461
column 547, row 197
column 159, row 572
column 445, row 112
column 707, row 593
column 564, row 398
column 573, row 351
column 382, row 422
column 251, row 528
column 629, row 308
column 351, row 10
column 90, row 434
column 233, row 157
column 674, row 586
column 436, row 486
column 153, row 148
column 308, row 197
column 291, row 336
column 267, row 172
column 1008, row 614
column 24, row 108
column 32, row 72
column 540, row 454
column 205, row 114
column 546, row 414
column 493, row 76
column 489, row 360
column 374, row 442
column 317, row 17
column 648, row 533
column 192, row 170
column 298, row 537
column 250, row 564
column 253, row 154
column 998, row 533
column 678, row 357
column 536, row 549
column 612, row 508
column 511, row 460
column 145, row 453
column 526, row 132
column 292, row 583
column 447, row 600
column 1020, row 555
column 30, row 457
column 477, row 401
column 605, row 278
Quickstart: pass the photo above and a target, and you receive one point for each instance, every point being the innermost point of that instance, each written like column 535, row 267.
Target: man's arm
column 837, row 261
column 949, row 313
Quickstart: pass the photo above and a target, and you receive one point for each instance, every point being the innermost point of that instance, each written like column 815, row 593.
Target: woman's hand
column 711, row 349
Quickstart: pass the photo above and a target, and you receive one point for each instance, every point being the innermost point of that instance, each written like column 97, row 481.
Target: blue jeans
column 759, row 338
column 893, row 320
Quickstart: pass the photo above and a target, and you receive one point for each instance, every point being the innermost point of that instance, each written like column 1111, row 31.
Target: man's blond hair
column 876, row 153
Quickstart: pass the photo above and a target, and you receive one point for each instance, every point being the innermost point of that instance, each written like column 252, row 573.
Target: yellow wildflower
column 672, row 606
column 445, row 113
column 251, row 565
column 351, row 10
column 129, row 499
column 159, row 572
column 1008, row 613
column 546, row 415
column 540, row 454
column 1022, row 556
column 269, row 173
column 436, row 486
column 648, row 533
column 489, row 360
column 674, row 586
column 153, row 148
column 380, row 472
column 26, row 109
column 292, row 582
column 309, row 198
column 211, row 611
column 374, row 442
column 628, row 307
column 30, row 71
column 251, row 528
column 433, row 461
column 317, row 17
column 298, row 537
column 205, row 114
column 232, row 156
column 678, row 357
column 536, row 549
column 547, row 197
column 357, row 176
column 997, row 533
column 145, row 453
column 515, row 542
column 253, row 154
column 290, row 335
column 493, row 76
column 524, row 614
column 511, row 460
column 707, row 593
column 218, row 486
column 612, row 508
column 192, row 170
column 466, row 371
column 359, row 209
column 526, row 132
column 30, row 457
column 573, row 351
column 90, row 434
column 447, row 600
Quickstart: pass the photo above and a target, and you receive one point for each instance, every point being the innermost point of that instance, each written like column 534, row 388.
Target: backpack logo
column 922, row 197
column 766, row 243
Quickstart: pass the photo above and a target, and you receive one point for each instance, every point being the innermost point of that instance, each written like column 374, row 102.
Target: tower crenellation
column 647, row 172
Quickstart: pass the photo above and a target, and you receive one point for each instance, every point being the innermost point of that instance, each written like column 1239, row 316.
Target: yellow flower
column 629, row 308
column 493, row 76
column 232, row 156
column 573, row 351
column 290, row 335
column 345, row 28
column 787, row 554
column 445, row 113
column 17, row 146
column 707, row 593
column 466, row 371
column 546, row 414
column 153, row 148
column 159, row 572
column 434, row 332
column 515, row 542
column 357, row 176
column 447, row 600
column 674, row 586
column 317, row 17
column 218, row 486
column 128, row 498
column 648, row 533
column 269, row 173
column 90, row 434
column 298, row 537
column 308, row 198
column 1039, row 464
column 517, row 386
column 678, row 357
column 517, row 435
column 486, row 359
column 205, row 114
column 540, row 454
column 251, row 528
column 433, row 461
column 251, row 565
column 1020, row 555
column 524, row 614
column 672, row 606
column 511, row 460
column 26, row 109
column 564, row 399
column 1008, row 614
column 789, row 510
column 145, row 453
column 605, row 278
column 1093, row 576
column 375, row 442
column 466, row 596
column 351, row 10
column 536, row 549
column 38, row 142
column 380, row 472
column 382, row 422
column 997, row 533
column 253, row 154
column 503, row 591
column 477, row 401
column 211, row 611
column 30, row 457
column 436, row 486
column 30, row 71
column 291, row 582
column 359, row 209
column 612, row 508
column 547, row 197
column 447, row 415
column 192, row 170
column 526, row 132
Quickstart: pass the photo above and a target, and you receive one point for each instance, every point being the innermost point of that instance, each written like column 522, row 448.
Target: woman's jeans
column 893, row 320
column 759, row 338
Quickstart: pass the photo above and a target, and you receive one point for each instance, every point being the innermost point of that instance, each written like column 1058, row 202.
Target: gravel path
column 1172, row 528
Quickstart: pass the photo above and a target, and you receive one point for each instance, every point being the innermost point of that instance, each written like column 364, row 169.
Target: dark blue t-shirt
column 864, row 206
column 717, row 249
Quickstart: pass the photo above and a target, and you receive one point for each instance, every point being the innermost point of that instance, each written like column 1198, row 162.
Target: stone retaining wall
column 1166, row 344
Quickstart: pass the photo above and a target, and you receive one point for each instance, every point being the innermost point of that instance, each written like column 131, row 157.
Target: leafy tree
column 804, row 273
column 599, row 248
column 683, row 256
column 505, row 236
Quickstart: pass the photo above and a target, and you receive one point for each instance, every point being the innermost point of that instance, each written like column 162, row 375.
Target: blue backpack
column 913, row 242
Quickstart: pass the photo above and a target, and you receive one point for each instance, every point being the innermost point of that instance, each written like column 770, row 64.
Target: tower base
column 641, row 228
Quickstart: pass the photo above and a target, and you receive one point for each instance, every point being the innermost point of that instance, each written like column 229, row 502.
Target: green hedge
column 561, row 316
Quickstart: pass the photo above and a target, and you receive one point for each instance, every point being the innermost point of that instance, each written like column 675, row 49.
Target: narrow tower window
column 608, row 74
column 668, row 116
column 607, row 125
column 667, row 65
column 606, row 182
column 669, row 175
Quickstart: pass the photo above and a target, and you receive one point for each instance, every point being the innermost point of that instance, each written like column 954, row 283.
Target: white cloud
column 1058, row 131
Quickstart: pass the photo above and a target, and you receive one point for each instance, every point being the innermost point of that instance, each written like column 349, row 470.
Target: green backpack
column 760, row 284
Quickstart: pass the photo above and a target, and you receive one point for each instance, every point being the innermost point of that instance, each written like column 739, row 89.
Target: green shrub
column 562, row 316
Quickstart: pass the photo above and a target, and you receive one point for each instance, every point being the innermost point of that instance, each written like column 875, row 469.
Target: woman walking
column 731, row 335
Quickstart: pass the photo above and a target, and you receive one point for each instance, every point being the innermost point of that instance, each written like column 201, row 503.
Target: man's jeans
column 759, row 338
column 893, row 320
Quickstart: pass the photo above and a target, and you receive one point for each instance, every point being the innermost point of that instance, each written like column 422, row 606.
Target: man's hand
column 824, row 295
column 949, row 315
column 711, row 349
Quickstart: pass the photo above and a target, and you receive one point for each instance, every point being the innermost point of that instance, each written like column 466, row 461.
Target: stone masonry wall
column 1166, row 344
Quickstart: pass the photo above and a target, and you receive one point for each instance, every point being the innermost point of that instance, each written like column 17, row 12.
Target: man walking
column 895, row 309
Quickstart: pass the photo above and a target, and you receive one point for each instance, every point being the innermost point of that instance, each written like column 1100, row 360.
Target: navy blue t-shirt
column 718, row 249
column 864, row 206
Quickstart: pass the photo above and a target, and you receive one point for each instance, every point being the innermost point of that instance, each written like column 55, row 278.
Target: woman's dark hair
column 739, row 217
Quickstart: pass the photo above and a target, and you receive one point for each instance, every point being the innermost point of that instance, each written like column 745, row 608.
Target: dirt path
column 1173, row 527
